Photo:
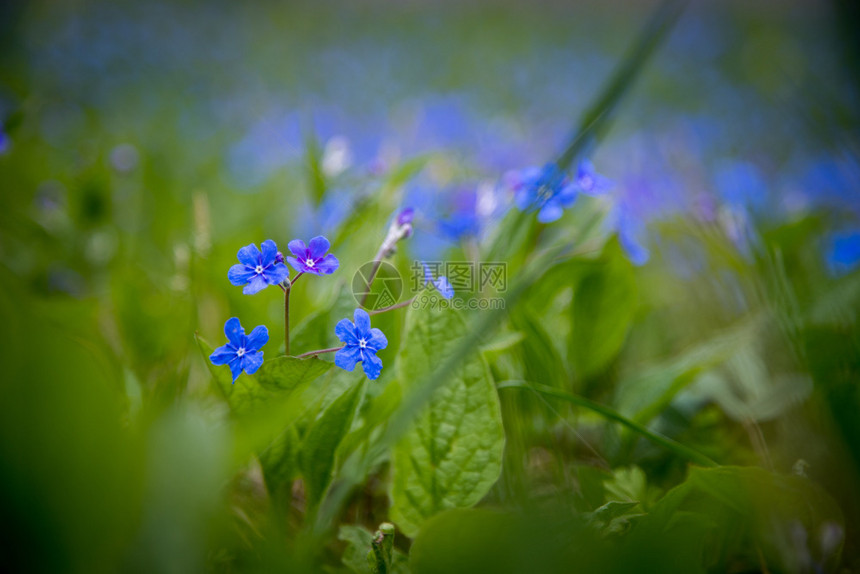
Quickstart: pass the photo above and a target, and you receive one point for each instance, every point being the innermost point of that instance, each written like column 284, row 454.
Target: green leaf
column 317, row 455
column 277, row 378
column 603, row 308
column 753, row 512
column 280, row 460
column 647, row 393
column 609, row 414
column 543, row 362
column 452, row 453
column 360, row 543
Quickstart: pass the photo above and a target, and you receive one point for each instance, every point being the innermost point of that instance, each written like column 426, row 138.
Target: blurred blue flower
column 242, row 352
column 257, row 270
column 631, row 235
column 589, row 181
column 843, row 252
column 441, row 283
column 741, row 185
column 547, row 190
column 4, row 142
column 312, row 258
column 360, row 344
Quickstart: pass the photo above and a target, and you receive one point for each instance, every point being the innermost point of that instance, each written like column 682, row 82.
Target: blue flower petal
column 636, row 252
column 277, row 273
column 444, row 287
column 298, row 264
column 345, row 331
column 240, row 274
column 327, row 264
column 223, row 355
column 255, row 285
column 250, row 255
column 362, row 323
column 318, row 247
column 236, row 367
column 270, row 251
column 258, row 337
column 377, row 340
column 298, row 248
column 550, row 212
column 371, row 364
column 252, row 361
column 347, row 357
column 234, row 331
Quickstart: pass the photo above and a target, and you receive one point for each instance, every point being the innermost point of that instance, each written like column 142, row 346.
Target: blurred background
column 143, row 143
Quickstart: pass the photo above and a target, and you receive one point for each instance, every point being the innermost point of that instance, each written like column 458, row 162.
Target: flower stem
column 287, row 320
column 392, row 307
column 376, row 263
column 320, row 352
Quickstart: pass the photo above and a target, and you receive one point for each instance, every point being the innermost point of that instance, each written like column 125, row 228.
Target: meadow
column 392, row 287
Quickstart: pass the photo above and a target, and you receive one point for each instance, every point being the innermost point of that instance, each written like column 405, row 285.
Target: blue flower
column 257, row 270
column 547, row 190
column 843, row 251
column 360, row 345
column 442, row 284
column 312, row 258
column 631, row 236
column 242, row 352
column 589, row 181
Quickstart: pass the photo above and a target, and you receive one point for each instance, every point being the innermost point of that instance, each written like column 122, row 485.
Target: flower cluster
column 259, row 268
column 549, row 190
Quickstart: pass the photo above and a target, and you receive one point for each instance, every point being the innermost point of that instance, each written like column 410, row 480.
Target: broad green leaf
column 359, row 544
column 452, row 453
column 603, row 307
column 755, row 514
column 543, row 362
column 502, row 342
column 280, row 459
column 317, row 455
column 646, row 393
column 277, row 378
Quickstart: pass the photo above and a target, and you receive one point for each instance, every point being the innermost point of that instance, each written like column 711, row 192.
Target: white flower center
column 586, row 182
column 258, row 269
column 310, row 262
column 240, row 352
column 362, row 344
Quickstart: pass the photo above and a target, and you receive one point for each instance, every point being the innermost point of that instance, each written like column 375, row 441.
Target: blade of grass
column 611, row 415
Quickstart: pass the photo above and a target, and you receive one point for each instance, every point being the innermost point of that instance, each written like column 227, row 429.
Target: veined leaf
column 452, row 453
column 317, row 455
column 277, row 378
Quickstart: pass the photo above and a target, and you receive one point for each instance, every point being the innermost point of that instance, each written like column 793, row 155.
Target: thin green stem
column 320, row 352
column 392, row 307
column 287, row 320
column 609, row 414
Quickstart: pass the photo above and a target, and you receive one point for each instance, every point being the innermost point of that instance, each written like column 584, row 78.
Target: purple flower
column 441, row 284
column 548, row 190
column 257, row 270
column 360, row 345
column 589, row 181
column 242, row 352
column 405, row 217
column 312, row 258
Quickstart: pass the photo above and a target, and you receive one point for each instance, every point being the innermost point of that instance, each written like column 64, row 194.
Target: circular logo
column 377, row 285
